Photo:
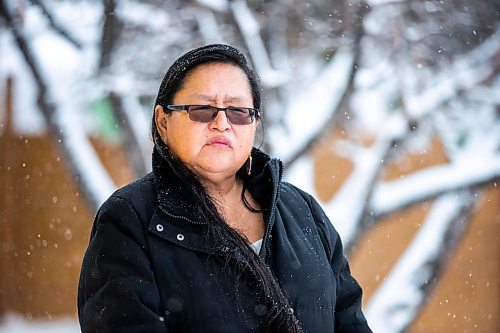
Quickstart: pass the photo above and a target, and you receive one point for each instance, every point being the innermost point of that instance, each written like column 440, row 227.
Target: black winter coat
column 147, row 269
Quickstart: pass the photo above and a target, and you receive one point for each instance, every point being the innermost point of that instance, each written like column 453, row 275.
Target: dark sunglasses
column 207, row 113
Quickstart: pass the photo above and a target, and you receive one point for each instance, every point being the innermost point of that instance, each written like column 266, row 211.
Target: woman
column 212, row 240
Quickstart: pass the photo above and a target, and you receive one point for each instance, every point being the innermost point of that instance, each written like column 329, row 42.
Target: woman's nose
column 220, row 122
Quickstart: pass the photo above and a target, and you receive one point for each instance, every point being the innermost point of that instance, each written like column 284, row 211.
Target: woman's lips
column 220, row 142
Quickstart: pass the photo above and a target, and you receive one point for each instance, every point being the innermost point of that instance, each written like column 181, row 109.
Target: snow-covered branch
column 140, row 127
column 392, row 196
column 467, row 72
column 131, row 126
column 396, row 302
column 55, row 25
column 353, row 205
column 209, row 27
column 325, row 97
column 216, row 5
column 308, row 109
column 349, row 204
column 66, row 129
column 250, row 31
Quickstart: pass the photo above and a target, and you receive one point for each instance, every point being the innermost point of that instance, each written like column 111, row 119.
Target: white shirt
column 257, row 246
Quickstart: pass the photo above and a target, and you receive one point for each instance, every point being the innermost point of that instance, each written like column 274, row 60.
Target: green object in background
column 461, row 140
column 107, row 124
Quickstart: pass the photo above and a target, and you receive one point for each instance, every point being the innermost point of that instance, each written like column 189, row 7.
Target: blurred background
column 387, row 111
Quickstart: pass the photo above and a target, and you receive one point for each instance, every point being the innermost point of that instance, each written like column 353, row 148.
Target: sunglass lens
column 202, row 114
column 206, row 113
column 239, row 116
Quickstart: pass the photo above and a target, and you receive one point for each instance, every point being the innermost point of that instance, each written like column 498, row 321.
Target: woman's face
column 214, row 150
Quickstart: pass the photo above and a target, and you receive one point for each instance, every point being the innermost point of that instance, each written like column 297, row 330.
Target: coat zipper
column 267, row 242
column 181, row 217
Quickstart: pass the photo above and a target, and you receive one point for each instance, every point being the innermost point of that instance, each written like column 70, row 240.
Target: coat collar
column 263, row 184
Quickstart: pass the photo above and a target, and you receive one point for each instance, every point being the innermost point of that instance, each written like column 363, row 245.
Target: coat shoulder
column 298, row 203
column 142, row 185
column 291, row 192
column 295, row 204
column 140, row 195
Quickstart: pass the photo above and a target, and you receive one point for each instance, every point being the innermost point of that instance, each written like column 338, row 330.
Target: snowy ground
column 17, row 324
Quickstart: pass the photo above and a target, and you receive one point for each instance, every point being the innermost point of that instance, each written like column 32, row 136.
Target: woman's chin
column 218, row 171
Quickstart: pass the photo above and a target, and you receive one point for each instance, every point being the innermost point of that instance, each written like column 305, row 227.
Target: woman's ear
column 161, row 122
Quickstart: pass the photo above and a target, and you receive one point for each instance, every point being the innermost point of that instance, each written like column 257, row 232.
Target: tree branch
column 132, row 144
column 343, row 101
column 396, row 303
column 357, row 189
column 110, row 32
column 81, row 159
column 55, row 26
column 350, row 204
column 430, row 183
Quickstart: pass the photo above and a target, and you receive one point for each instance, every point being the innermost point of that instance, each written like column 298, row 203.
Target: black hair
column 214, row 53
column 224, row 241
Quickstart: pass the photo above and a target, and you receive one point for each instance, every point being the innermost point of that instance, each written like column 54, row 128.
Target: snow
column 211, row 31
column 82, row 153
column 59, row 66
column 87, row 14
column 17, row 324
column 140, row 125
column 467, row 71
column 218, row 5
column 250, row 30
column 30, row 121
column 396, row 302
column 295, row 173
column 346, row 204
column 139, row 13
column 425, row 184
column 311, row 106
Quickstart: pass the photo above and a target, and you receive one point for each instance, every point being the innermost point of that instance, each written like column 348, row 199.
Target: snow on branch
column 56, row 26
column 467, row 72
column 347, row 206
column 140, row 127
column 250, row 30
column 209, row 27
column 397, row 301
column 64, row 126
column 132, row 125
column 484, row 95
column 141, row 13
column 320, row 98
column 361, row 199
column 85, row 165
column 392, row 196
column 216, row 5
column 374, row 3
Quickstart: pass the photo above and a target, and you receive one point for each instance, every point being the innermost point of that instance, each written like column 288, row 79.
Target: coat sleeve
column 349, row 317
column 117, row 291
